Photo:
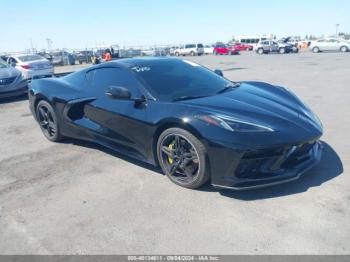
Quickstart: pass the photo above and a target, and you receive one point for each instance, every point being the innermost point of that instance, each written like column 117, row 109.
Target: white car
column 329, row 44
column 208, row 49
column 190, row 49
column 31, row 66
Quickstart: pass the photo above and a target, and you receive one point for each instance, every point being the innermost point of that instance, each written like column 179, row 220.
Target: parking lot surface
column 79, row 198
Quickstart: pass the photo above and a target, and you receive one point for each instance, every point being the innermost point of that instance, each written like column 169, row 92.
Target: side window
column 102, row 78
column 12, row 61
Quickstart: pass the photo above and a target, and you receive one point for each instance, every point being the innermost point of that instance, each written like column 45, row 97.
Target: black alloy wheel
column 182, row 158
column 48, row 121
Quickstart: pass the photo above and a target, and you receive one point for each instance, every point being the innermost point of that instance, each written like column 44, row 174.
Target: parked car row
column 287, row 46
column 216, row 49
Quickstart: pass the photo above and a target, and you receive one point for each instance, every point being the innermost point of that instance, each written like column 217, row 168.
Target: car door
column 120, row 121
column 273, row 46
column 187, row 49
column 334, row 45
column 327, row 45
column 266, row 46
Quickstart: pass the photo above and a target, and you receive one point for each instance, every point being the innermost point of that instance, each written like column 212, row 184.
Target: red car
column 225, row 50
column 243, row 47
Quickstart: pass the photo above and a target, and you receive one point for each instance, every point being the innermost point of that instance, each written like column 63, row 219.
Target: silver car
column 329, row 44
column 12, row 82
column 31, row 66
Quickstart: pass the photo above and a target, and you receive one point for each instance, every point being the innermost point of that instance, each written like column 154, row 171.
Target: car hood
column 263, row 104
column 8, row 72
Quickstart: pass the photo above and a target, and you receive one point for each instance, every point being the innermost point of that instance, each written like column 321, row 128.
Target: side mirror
column 118, row 92
column 219, row 72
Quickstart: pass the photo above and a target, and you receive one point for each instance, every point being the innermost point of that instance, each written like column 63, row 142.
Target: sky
column 87, row 23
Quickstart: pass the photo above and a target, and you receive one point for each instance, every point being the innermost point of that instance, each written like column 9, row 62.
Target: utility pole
column 49, row 44
column 336, row 29
column 31, row 45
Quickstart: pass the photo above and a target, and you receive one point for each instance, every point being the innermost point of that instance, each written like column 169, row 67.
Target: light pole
column 336, row 29
column 49, row 43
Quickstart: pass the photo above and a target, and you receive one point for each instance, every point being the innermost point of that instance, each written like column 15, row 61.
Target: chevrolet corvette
column 194, row 123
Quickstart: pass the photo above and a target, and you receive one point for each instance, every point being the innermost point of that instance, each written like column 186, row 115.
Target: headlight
column 232, row 124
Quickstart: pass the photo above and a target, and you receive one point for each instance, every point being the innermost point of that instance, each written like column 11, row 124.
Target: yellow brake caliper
column 171, row 146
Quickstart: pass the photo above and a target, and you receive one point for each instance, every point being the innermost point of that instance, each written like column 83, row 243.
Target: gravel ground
column 79, row 198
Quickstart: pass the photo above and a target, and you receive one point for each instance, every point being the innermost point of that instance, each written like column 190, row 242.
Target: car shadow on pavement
column 113, row 153
column 13, row 99
column 329, row 167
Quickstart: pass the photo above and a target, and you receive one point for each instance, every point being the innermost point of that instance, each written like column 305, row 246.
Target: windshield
column 3, row 64
column 27, row 58
column 169, row 80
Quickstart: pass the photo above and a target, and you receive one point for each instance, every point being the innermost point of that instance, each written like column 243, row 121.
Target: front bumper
column 268, row 167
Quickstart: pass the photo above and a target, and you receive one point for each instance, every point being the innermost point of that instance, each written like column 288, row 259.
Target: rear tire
column 343, row 49
column 182, row 158
column 192, row 53
column 177, row 54
column 260, row 51
column 315, row 49
column 48, row 121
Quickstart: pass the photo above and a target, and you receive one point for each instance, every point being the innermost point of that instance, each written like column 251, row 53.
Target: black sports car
column 194, row 123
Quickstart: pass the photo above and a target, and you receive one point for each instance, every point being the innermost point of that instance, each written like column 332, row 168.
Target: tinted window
column 103, row 78
column 200, row 46
column 190, row 46
column 171, row 79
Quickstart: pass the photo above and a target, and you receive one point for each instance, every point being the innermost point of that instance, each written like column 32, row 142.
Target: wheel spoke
column 43, row 123
column 177, row 143
column 173, row 167
column 43, row 113
column 168, row 151
column 52, row 126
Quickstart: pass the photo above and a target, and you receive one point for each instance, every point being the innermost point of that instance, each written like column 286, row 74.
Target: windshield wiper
column 186, row 98
column 229, row 86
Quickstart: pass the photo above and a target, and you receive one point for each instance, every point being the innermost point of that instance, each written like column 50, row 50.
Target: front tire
column 282, row 50
column 260, row 51
column 48, row 121
column 182, row 158
column 177, row 54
